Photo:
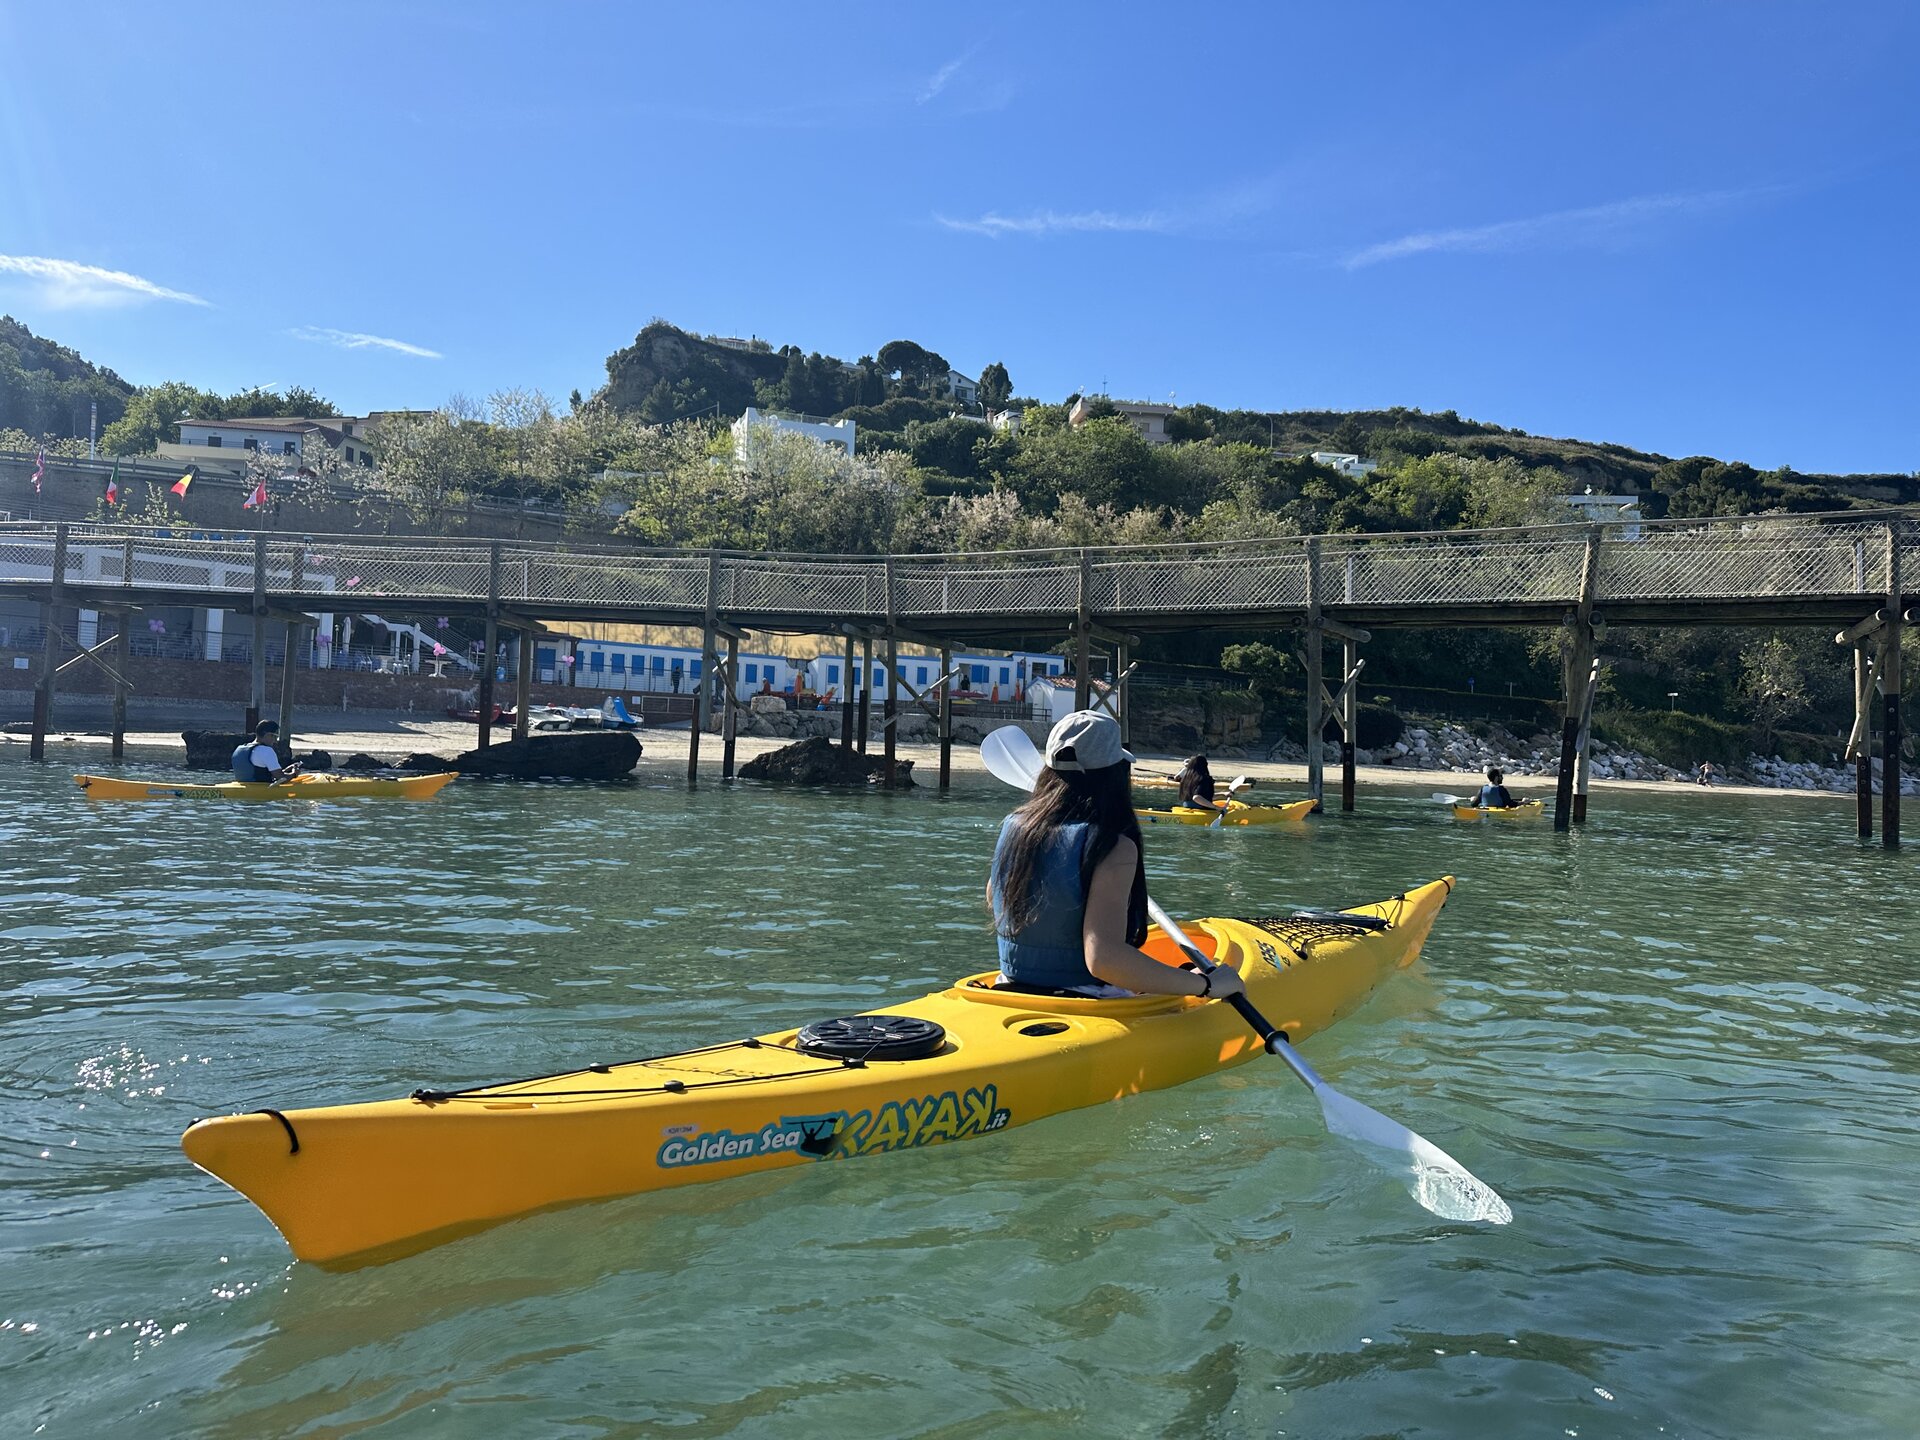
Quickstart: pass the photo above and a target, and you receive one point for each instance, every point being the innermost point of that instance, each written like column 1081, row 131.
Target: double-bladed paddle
column 1434, row 1178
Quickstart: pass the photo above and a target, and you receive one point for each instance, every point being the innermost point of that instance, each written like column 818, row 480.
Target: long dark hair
column 1102, row 798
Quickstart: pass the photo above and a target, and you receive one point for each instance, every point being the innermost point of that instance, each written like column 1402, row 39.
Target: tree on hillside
column 426, row 466
column 996, row 386
column 154, row 413
column 912, row 362
column 1105, row 462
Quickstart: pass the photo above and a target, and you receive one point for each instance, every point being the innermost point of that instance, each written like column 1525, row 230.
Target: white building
column 1149, row 420
column 1006, row 421
column 1351, row 466
column 228, row 443
column 827, row 432
column 963, row 388
column 1622, row 511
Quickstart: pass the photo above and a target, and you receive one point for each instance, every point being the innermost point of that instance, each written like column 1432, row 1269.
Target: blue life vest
column 1495, row 797
column 1049, row 953
column 243, row 767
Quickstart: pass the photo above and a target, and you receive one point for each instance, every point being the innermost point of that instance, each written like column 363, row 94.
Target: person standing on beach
column 1705, row 777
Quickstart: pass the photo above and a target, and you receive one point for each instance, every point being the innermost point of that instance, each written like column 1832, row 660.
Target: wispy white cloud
column 1583, row 226
column 68, row 284
column 944, row 75
column 353, row 340
column 1055, row 222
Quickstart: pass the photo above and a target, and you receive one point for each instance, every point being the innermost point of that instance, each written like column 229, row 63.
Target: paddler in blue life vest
column 1494, row 795
column 255, row 761
column 1069, row 889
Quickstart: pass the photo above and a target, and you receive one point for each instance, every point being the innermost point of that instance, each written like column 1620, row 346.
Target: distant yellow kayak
column 300, row 787
column 1525, row 810
column 1237, row 814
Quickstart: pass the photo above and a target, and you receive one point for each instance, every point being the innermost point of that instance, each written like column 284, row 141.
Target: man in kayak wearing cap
column 255, row 761
column 1069, row 889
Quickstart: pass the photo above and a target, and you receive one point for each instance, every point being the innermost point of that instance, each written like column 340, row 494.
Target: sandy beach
column 154, row 732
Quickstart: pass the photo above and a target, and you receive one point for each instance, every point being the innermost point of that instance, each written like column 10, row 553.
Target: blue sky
column 1688, row 227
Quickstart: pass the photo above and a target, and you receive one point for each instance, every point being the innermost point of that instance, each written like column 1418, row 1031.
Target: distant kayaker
column 1196, row 785
column 1494, row 795
column 1069, row 889
column 255, row 761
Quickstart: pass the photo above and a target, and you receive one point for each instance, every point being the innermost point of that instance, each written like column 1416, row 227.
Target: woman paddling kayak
column 1069, row 889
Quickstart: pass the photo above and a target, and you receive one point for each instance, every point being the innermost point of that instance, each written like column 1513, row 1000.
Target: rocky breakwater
column 1796, row 775
column 1467, row 752
column 567, row 755
column 819, row 761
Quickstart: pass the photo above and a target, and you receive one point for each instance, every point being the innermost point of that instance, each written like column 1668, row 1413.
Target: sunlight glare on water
column 1682, row 1044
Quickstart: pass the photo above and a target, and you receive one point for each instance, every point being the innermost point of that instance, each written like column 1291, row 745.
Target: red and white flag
column 257, row 498
column 39, row 469
column 113, row 485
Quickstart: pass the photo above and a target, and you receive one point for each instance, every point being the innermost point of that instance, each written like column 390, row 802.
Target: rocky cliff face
column 695, row 373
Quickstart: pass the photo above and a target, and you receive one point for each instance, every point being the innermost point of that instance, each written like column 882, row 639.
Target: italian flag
column 113, row 485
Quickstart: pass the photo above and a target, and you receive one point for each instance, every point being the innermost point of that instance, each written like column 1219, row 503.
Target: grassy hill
column 46, row 389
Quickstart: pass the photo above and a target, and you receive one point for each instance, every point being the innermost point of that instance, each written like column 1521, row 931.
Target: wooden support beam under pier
column 43, row 690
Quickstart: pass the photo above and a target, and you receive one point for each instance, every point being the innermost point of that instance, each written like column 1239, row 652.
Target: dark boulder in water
column 565, row 755
column 819, row 761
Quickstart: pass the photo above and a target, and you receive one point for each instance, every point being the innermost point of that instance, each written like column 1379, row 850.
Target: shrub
column 1674, row 737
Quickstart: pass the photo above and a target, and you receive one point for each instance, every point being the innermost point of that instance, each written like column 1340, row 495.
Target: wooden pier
column 1858, row 571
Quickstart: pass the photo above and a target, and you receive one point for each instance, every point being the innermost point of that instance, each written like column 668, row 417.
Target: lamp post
column 1672, row 696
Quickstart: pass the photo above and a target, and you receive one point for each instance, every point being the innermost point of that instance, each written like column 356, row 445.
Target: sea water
column 1680, row 1042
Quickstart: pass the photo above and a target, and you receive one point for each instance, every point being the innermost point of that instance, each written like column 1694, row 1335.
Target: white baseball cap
column 1085, row 740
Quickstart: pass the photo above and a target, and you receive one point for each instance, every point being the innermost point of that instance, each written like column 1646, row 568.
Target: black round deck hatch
column 1043, row 1027
column 871, row 1037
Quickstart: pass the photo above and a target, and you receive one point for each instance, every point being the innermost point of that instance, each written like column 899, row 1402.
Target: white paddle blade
column 1446, row 799
column 1438, row 1182
column 1011, row 757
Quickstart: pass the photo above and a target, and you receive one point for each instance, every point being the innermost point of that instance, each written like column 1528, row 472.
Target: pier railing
column 1848, row 555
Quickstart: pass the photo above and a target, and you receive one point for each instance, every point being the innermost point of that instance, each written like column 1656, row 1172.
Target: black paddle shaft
column 1270, row 1036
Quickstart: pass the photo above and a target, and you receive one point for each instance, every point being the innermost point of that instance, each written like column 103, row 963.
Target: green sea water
column 1681, row 1043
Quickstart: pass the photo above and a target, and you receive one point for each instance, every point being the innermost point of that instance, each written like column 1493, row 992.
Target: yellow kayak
column 1525, row 810
column 300, row 787
column 1237, row 814
column 364, row 1182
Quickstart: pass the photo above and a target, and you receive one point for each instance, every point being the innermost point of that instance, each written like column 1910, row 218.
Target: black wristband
column 1206, row 980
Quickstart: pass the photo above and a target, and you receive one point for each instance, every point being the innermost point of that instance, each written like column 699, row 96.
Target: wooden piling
column 1583, row 747
column 523, row 686
column 49, row 649
column 290, row 637
column 890, row 721
column 483, row 702
column 1891, row 677
column 1082, row 636
column 1576, row 671
column 1861, row 742
column 1315, row 657
column 946, row 718
column 119, row 748
column 257, row 692
column 862, row 720
column 846, row 699
column 1349, row 719
column 729, row 705
column 703, row 687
